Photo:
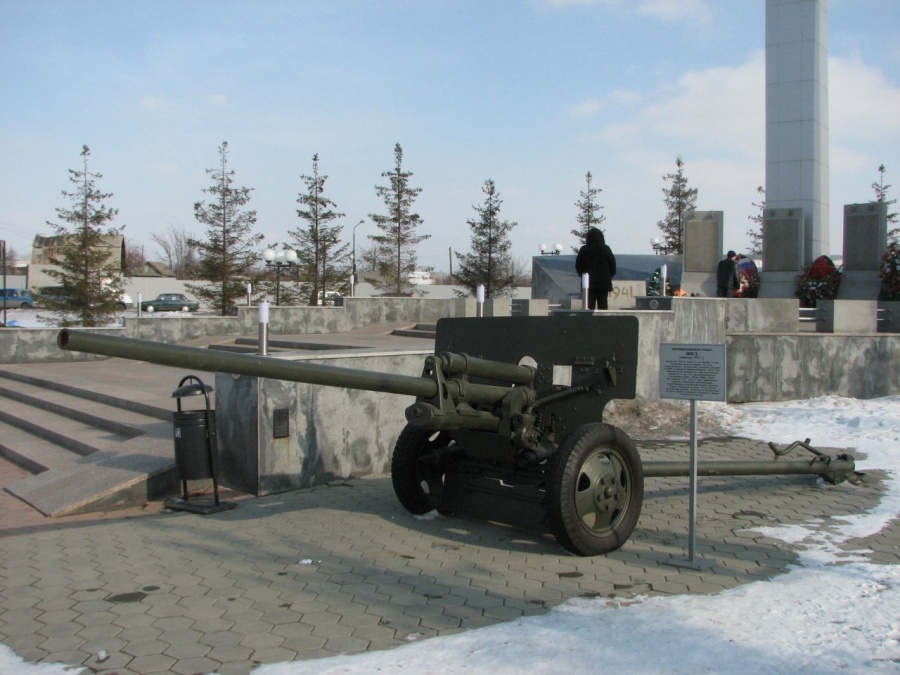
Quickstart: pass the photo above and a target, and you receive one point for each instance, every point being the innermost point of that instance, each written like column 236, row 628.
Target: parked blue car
column 16, row 298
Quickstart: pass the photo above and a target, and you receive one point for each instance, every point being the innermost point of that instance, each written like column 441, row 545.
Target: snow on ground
column 831, row 613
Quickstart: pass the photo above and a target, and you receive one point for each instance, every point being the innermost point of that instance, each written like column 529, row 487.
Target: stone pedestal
column 859, row 317
column 783, row 258
column 888, row 316
column 703, row 249
column 865, row 241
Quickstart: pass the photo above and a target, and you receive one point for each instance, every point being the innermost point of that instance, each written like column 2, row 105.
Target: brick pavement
column 343, row 569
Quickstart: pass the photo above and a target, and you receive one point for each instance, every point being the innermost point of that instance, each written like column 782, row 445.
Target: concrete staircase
column 420, row 330
column 90, row 443
column 97, row 435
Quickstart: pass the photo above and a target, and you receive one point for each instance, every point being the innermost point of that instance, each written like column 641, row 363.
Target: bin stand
column 195, row 428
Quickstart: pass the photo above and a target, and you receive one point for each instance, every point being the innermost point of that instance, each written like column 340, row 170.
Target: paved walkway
column 343, row 569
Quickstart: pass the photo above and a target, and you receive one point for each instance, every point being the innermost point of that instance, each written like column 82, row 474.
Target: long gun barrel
column 311, row 373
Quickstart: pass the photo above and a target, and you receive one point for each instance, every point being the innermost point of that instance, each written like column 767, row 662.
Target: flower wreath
column 820, row 282
column 654, row 285
column 889, row 273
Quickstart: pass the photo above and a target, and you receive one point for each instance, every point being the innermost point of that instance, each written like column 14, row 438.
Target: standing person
column 727, row 277
column 597, row 260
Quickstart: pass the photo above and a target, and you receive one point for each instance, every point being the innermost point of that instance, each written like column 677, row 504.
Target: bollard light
column 263, row 328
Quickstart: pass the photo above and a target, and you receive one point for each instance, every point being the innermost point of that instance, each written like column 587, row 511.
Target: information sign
column 695, row 372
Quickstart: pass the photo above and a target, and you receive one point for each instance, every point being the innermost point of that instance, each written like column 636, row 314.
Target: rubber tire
column 24, row 305
column 150, row 308
column 417, row 486
column 595, row 490
column 185, row 308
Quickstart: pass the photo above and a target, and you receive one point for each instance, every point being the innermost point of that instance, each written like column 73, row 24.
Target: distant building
column 153, row 269
column 44, row 248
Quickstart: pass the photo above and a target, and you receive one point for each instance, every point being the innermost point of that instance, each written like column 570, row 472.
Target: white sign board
column 694, row 372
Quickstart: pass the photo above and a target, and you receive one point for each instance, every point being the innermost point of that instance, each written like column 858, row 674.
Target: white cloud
column 625, row 97
column 718, row 111
column 863, row 104
column 218, row 99
column 587, row 108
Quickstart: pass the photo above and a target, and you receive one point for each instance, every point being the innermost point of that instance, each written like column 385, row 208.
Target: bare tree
column 175, row 250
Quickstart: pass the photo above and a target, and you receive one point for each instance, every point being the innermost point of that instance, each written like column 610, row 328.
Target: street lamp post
column 556, row 250
column 353, row 260
column 658, row 246
column 279, row 260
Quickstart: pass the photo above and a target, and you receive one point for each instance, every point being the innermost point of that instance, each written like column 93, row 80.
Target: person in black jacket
column 727, row 278
column 597, row 260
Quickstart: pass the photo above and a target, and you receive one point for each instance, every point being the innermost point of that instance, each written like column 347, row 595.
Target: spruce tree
column 323, row 262
column 756, row 233
column 588, row 215
column 89, row 276
column 231, row 249
column 490, row 263
column 398, row 229
column 881, row 190
column 680, row 202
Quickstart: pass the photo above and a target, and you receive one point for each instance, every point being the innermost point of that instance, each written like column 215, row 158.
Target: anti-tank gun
column 506, row 423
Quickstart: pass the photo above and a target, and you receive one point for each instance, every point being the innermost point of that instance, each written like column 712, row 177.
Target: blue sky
column 532, row 94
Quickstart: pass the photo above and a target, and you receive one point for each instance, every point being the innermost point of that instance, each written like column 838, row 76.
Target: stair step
column 293, row 345
column 414, row 333
column 139, row 469
column 33, row 454
column 119, row 397
column 95, row 435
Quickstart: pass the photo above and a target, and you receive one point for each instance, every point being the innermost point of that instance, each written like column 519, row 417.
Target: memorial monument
column 796, row 141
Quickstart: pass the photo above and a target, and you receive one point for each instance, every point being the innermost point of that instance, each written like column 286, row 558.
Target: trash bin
column 194, row 433
column 195, row 437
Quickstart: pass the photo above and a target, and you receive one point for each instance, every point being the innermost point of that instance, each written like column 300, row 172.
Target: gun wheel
column 416, row 471
column 596, row 490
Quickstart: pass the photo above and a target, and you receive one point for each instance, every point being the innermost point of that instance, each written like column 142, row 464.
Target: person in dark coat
column 727, row 277
column 596, row 259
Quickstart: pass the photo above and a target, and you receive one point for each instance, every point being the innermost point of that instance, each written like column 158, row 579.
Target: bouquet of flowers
column 889, row 273
column 749, row 274
column 820, row 282
column 654, row 285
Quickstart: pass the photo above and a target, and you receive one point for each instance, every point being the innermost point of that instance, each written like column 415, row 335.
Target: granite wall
column 276, row 436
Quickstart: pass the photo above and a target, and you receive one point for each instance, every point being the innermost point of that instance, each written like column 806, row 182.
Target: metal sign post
column 692, row 372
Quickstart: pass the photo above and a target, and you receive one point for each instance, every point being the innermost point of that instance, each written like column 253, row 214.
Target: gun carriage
column 506, row 424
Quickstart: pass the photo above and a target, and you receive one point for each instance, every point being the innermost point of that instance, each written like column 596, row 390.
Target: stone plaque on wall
column 703, row 241
column 783, row 240
column 865, row 235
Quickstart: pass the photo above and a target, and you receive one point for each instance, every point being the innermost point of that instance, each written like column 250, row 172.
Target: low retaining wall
column 38, row 345
column 331, row 432
column 789, row 367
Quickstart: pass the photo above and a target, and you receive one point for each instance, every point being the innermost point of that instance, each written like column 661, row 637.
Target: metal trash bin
column 195, row 438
